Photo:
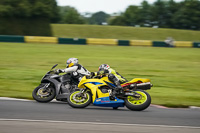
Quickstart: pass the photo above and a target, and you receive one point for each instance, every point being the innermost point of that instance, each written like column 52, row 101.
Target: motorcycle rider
column 113, row 76
column 77, row 70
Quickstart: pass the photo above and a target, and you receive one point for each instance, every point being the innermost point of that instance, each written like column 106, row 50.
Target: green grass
column 122, row 32
column 175, row 72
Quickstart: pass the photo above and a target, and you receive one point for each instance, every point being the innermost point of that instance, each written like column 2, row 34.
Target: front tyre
column 42, row 94
column 140, row 103
column 77, row 99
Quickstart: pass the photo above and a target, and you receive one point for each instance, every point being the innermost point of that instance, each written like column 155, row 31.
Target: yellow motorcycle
column 98, row 91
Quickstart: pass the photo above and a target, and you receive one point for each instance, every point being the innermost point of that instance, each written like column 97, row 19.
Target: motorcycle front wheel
column 140, row 103
column 77, row 99
column 42, row 94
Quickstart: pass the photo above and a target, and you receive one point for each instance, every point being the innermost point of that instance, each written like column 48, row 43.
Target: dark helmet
column 104, row 67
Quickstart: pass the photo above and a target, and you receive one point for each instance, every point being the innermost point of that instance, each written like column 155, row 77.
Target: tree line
column 162, row 13
column 165, row 14
column 33, row 17
column 27, row 17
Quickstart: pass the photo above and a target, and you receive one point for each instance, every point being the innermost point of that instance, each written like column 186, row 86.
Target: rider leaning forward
column 75, row 68
column 113, row 76
column 79, row 71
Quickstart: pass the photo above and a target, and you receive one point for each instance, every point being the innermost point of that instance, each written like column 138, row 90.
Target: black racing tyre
column 138, row 104
column 43, row 97
column 76, row 100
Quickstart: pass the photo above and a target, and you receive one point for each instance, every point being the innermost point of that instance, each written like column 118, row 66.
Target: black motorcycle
column 56, row 86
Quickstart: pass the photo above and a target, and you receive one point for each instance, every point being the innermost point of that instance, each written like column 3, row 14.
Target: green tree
column 70, row 15
column 27, row 17
column 98, row 18
column 159, row 13
column 16, row 8
column 131, row 16
column 134, row 15
column 188, row 15
column 172, row 7
column 145, row 14
column 28, row 8
column 117, row 20
column 162, row 13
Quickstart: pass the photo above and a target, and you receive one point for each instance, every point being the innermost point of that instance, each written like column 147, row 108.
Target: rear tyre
column 79, row 100
column 138, row 104
column 40, row 94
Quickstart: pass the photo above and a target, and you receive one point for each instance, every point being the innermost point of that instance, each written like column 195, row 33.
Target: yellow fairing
column 93, row 85
column 96, row 92
column 138, row 79
column 81, row 83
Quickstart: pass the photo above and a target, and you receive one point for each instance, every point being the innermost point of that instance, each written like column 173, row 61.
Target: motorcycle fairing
column 54, row 82
column 108, row 83
column 96, row 92
column 93, row 85
column 138, row 79
column 106, row 102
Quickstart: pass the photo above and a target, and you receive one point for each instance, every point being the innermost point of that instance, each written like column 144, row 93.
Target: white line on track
column 97, row 123
column 14, row 99
column 94, row 123
column 17, row 99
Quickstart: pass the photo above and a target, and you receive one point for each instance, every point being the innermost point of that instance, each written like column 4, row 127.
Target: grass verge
column 122, row 32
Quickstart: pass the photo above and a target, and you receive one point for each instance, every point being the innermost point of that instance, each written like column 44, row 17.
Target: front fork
column 82, row 93
column 45, row 87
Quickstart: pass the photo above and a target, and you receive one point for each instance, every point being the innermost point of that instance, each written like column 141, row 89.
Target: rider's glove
column 100, row 72
column 92, row 74
column 59, row 71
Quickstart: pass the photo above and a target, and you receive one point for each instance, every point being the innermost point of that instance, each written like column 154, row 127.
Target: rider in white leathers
column 73, row 66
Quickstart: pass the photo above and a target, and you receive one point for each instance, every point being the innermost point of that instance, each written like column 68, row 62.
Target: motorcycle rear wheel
column 41, row 96
column 138, row 104
column 76, row 100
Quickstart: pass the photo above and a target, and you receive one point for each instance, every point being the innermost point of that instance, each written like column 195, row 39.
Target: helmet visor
column 69, row 65
column 68, row 62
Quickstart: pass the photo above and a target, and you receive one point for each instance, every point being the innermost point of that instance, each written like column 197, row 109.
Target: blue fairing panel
column 106, row 102
column 95, row 83
column 111, row 84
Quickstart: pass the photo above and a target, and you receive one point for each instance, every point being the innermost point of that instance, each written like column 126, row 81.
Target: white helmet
column 104, row 67
column 71, row 61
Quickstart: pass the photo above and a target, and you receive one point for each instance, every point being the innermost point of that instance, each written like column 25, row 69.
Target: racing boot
column 118, row 85
column 112, row 95
column 116, row 90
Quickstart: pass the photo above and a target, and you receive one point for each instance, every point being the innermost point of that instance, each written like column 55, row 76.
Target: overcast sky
column 108, row 6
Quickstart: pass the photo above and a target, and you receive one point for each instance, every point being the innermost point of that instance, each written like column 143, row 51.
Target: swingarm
column 133, row 94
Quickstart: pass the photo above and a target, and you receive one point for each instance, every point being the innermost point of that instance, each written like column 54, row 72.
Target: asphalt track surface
column 30, row 117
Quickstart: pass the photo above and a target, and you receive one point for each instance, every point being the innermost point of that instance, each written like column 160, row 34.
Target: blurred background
column 173, row 71
column 176, row 14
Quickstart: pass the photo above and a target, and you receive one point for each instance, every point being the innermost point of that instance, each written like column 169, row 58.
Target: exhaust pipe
column 143, row 86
